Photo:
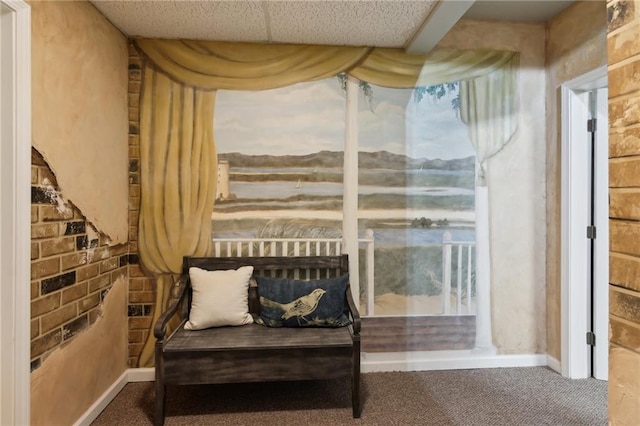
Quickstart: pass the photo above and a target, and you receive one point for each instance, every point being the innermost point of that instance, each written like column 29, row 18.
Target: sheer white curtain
column 489, row 107
column 488, row 94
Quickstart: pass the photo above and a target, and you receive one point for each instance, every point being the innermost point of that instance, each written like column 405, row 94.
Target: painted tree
column 364, row 86
column 437, row 92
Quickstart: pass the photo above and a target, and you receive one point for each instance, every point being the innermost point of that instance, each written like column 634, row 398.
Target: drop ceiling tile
column 198, row 20
column 355, row 22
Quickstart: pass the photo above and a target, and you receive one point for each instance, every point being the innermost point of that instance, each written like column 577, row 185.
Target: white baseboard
column 142, row 374
column 445, row 360
column 101, row 403
column 130, row 375
column 554, row 364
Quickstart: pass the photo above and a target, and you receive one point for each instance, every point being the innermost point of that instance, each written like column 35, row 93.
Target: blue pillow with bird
column 296, row 303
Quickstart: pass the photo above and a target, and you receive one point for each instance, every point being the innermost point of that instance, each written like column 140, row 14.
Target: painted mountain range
column 366, row 160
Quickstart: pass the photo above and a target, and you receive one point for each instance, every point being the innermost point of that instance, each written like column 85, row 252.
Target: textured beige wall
column 80, row 123
column 516, row 179
column 576, row 44
column 71, row 379
column 80, row 126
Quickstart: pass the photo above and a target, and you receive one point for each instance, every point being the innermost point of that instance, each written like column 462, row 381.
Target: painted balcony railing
column 276, row 246
column 461, row 302
column 265, row 247
column 456, row 263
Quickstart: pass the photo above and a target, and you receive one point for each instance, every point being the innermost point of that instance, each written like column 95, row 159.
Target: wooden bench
column 253, row 352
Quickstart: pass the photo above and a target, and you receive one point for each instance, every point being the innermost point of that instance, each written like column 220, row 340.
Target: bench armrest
column 160, row 328
column 355, row 315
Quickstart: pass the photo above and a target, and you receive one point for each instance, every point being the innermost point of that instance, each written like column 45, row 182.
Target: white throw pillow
column 219, row 298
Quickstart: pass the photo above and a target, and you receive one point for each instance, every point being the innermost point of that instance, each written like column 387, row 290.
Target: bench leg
column 355, row 380
column 161, row 388
column 160, row 397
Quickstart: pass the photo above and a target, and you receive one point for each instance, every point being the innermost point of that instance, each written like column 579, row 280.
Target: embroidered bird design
column 299, row 308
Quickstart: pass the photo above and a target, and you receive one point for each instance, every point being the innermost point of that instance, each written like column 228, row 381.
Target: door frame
column 575, row 172
column 15, row 207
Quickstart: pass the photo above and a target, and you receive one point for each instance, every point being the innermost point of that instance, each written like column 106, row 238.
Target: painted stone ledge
column 623, row 113
column 624, row 304
column 624, row 271
column 624, row 387
column 624, row 172
column 624, row 237
column 624, row 203
column 624, row 333
column 623, row 45
column 620, row 13
column 624, row 142
column 624, row 80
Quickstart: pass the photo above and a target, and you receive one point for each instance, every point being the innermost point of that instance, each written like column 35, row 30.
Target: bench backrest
column 299, row 267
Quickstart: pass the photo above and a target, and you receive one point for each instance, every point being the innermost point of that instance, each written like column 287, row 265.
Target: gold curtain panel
column 253, row 66
column 177, row 182
column 178, row 173
column 247, row 66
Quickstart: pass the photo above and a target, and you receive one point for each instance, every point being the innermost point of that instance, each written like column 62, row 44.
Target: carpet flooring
column 488, row 397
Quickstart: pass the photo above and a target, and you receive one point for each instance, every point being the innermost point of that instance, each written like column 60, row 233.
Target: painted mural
column 280, row 174
column 256, row 133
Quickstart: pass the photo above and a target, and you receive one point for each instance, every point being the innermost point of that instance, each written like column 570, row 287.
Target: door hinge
column 591, row 338
column 591, row 125
column 591, row 232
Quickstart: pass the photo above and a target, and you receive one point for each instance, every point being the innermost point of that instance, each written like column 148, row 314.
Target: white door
column 585, row 266
column 15, row 165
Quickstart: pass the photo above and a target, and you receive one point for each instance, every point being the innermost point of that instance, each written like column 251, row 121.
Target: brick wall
column 141, row 293
column 623, row 49
column 72, row 266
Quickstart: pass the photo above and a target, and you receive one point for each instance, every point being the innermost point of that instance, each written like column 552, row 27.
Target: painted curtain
column 178, row 158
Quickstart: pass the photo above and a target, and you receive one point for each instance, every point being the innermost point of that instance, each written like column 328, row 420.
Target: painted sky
column 309, row 117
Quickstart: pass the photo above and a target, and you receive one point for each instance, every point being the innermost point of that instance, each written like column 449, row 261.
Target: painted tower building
column 222, row 191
